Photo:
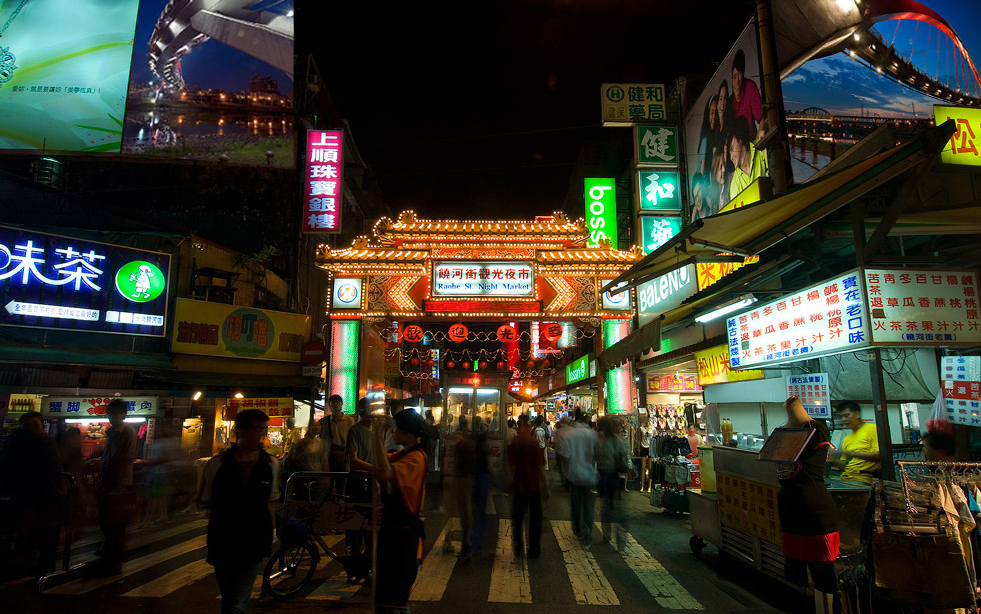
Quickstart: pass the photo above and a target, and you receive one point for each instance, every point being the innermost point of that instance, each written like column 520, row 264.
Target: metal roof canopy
column 754, row 228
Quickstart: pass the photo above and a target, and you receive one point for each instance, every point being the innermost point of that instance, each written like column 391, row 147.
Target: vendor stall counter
column 741, row 517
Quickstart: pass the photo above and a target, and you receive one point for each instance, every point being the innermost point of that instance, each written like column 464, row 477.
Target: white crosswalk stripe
column 589, row 584
column 509, row 578
column 436, row 568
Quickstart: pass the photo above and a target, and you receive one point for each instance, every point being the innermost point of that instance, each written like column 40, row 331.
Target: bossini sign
column 665, row 293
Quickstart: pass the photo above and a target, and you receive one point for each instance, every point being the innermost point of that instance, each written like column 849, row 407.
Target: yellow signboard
column 708, row 274
column 274, row 407
column 216, row 329
column 964, row 145
column 713, row 367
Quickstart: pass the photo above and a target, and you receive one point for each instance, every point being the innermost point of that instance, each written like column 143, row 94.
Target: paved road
column 653, row 572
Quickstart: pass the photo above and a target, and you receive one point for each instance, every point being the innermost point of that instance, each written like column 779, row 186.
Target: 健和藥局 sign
column 828, row 318
column 477, row 279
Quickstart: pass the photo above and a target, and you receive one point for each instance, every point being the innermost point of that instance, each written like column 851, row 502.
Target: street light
column 728, row 307
column 197, row 396
column 239, row 395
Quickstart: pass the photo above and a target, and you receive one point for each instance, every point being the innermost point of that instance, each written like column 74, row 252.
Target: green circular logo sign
column 140, row 281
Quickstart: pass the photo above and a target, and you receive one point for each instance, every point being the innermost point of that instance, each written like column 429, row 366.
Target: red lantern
column 546, row 364
column 500, row 365
column 413, row 333
column 483, row 365
column 430, row 362
column 414, row 362
column 552, row 331
column 450, row 364
column 531, row 364
column 466, row 365
column 458, row 333
column 506, row 333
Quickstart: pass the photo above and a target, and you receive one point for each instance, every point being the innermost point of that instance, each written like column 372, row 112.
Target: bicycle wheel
column 289, row 570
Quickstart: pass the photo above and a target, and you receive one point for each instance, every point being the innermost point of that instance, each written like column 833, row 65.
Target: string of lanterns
column 505, row 333
column 423, row 355
column 516, row 374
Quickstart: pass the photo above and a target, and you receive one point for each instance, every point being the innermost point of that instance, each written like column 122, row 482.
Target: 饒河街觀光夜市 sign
column 713, row 367
column 578, row 369
column 825, row 319
column 52, row 281
column 880, row 307
column 95, row 407
column 601, row 211
column 921, row 306
column 964, row 147
column 509, row 279
column 215, row 329
column 625, row 104
column 323, row 183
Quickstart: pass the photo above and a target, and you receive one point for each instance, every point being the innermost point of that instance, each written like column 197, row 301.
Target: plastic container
column 706, row 468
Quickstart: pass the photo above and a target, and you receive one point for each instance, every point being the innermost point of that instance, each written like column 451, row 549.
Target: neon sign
column 50, row 281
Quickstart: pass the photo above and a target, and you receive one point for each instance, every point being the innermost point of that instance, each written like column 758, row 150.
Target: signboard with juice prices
column 813, row 391
column 923, row 306
column 963, row 400
column 964, row 145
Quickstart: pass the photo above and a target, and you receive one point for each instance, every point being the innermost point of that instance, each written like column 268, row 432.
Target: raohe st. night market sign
column 457, row 278
column 51, row 281
column 864, row 307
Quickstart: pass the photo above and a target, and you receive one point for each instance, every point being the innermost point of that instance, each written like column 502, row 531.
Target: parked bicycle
column 298, row 526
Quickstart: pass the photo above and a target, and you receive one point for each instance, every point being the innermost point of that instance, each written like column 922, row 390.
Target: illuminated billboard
column 507, row 279
column 64, row 66
column 723, row 128
column 50, row 281
column 322, row 181
column 212, row 81
column 601, row 211
column 963, row 145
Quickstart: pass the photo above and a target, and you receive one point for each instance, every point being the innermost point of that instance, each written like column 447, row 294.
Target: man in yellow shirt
column 860, row 449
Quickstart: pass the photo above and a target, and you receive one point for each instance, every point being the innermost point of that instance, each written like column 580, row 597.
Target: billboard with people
column 723, row 129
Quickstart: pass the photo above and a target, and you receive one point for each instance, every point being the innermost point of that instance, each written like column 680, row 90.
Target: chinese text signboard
column 50, row 281
column 657, row 145
column 713, row 367
column 659, row 190
column 749, row 506
column 624, row 104
column 272, row 407
column 655, row 231
column 682, row 382
column 825, row 319
column 215, row 329
column 923, row 307
column 813, row 391
column 323, row 187
column 601, row 211
column 458, row 278
column 964, row 144
column 961, row 386
column 95, row 407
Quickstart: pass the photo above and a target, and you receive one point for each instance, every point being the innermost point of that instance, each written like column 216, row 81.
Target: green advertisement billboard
column 601, row 211
column 659, row 190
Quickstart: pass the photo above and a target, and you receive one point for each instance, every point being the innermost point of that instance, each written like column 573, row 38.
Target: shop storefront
column 88, row 414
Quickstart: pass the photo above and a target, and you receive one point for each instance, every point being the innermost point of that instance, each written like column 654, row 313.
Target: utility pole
column 777, row 147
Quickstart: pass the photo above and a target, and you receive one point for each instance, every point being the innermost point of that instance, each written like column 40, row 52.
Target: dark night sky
column 476, row 111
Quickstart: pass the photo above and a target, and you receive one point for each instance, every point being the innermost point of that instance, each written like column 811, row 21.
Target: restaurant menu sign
column 478, row 279
column 961, row 386
column 923, row 307
column 828, row 318
column 51, row 281
column 96, row 407
column 681, row 382
column 713, row 367
column 813, row 391
column 323, row 187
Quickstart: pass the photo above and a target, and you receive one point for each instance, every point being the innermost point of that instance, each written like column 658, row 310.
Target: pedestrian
column 334, row 428
column 400, row 538
column 114, row 488
column 481, row 487
column 542, row 436
column 292, row 437
column 361, row 457
column 432, row 432
column 458, row 485
column 239, row 485
column 30, row 480
column 309, row 454
column 527, row 485
column 612, row 458
column 694, row 440
column 807, row 512
column 158, row 475
column 860, row 459
column 578, row 450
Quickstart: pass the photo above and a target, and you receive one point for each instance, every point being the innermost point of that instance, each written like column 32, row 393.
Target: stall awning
column 632, row 346
column 65, row 357
column 683, row 354
column 754, row 228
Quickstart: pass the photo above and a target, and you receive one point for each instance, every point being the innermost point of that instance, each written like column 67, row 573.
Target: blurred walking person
column 481, row 487
column 541, row 434
column 578, row 449
column 612, row 458
column 361, row 457
column 114, row 488
column 458, row 485
column 527, row 485
column 239, row 484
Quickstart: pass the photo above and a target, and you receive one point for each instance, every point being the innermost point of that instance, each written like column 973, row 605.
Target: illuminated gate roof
column 397, row 266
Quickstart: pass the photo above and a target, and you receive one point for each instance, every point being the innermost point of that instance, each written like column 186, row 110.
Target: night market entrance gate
column 427, row 305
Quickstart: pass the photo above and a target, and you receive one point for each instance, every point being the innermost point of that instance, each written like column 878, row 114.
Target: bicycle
column 292, row 567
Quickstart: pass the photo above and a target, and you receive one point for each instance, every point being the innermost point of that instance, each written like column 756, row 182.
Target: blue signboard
column 51, row 281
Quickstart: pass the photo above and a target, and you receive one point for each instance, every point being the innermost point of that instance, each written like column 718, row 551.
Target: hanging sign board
column 625, row 104
column 274, row 407
column 656, row 145
column 665, row 293
column 965, row 143
column 655, row 231
column 323, row 185
column 347, row 293
column 477, row 279
column 923, row 307
column 616, row 302
column 95, row 407
column 659, row 190
column 713, row 367
column 828, row 318
column 601, row 211
column 578, row 370
column 681, row 382
column 813, row 391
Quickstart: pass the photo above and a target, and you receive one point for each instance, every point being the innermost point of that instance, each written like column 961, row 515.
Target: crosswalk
column 161, row 570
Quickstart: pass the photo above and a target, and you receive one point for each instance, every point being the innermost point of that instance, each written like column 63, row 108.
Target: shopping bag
column 939, row 420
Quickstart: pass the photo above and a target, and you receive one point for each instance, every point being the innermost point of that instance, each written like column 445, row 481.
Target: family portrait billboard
column 724, row 127
column 213, row 82
column 64, row 67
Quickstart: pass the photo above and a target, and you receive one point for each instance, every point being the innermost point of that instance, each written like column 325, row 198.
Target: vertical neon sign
column 619, row 396
column 345, row 336
column 322, row 184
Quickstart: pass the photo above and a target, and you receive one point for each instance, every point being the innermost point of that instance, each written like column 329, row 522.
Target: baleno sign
column 601, row 211
column 665, row 293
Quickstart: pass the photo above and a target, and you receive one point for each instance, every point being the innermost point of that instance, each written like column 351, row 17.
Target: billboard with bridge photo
column 723, row 127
